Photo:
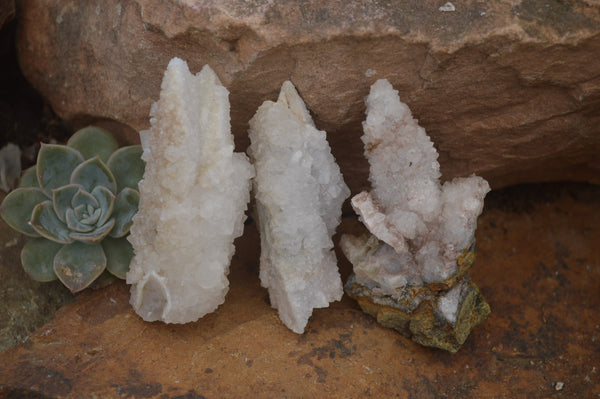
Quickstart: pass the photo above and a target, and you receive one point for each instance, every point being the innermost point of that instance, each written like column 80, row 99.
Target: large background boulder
column 509, row 90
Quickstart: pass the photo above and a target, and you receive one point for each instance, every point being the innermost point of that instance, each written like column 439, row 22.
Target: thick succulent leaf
column 62, row 199
column 78, row 264
column 92, row 173
column 91, row 141
column 96, row 235
column 119, row 253
column 37, row 258
column 126, row 205
column 17, row 208
column 29, row 178
column 93, row 216
column 84, row 198
column 127, row 166
column 55, row 165
column 74, row 224
column 80, row 210
column 106, row 199
column 45, row 222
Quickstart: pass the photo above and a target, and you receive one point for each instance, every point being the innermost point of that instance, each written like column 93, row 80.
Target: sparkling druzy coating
column 193, row 198
column 299, row 193
column 424, row 224
column 411, row 272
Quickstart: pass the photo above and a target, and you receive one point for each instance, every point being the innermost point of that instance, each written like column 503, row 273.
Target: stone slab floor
column 538, row 265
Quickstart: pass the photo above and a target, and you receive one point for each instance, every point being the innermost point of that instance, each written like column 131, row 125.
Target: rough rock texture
column 193, row 196
column 299, row 193
column 440, row 315
column 509, row 90
column 537, row 264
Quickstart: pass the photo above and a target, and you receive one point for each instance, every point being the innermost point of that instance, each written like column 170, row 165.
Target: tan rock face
column 509, row 90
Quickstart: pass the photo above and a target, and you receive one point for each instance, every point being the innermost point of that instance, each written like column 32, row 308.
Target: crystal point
column 422, row 232
column 193, row 197
column 299, row 193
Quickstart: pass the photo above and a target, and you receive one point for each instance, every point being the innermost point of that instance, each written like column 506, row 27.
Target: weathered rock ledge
column 509, row 90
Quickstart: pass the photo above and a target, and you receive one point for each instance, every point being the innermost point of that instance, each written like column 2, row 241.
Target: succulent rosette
column 76, row 206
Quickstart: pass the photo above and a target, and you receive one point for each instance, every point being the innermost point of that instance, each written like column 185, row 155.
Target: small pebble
column 448, row 7
column 11, row 243
column 559, row 386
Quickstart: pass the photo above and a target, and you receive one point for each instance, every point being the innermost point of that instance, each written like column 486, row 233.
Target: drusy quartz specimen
column 411, row 272
column 194, row 194
column 299, row 193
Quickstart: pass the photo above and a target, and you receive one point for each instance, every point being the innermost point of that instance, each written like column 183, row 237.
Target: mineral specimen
column 299, row 192
column 194, row 194
column 422, row 245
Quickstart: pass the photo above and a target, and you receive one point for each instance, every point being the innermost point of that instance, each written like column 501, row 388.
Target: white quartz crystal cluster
column 194, row 194
column 299, row 191
column 424, row 226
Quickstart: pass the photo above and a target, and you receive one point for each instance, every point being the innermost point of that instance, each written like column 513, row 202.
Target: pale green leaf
column 106, row 199
column 45, row 222
column 78, row 264
column 37, row 257
column 126, row 206
column 55, row 164
column 17, row 208
column 83, row 199
column 62, row 199
column 29, row 178
column 119, row 253
column 75, row 225
column 127, row 166
column 92, row 141
column 93, row 173
column 96, row 235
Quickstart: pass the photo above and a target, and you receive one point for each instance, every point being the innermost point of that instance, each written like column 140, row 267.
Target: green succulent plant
column 76, row 206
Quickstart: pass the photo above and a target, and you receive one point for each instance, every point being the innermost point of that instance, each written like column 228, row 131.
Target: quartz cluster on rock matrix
column 194, row 194
column 411, row 272
column 299, row 192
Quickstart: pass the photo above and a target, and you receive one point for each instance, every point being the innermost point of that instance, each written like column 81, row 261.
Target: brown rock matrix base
column 508, row 90
column 416, row 313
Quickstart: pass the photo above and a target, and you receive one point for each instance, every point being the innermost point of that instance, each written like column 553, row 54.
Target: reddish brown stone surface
column 537, row 265
column 507, row 89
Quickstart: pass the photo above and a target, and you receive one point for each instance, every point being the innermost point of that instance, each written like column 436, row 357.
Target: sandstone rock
column 508, row 90
column 544, row 293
